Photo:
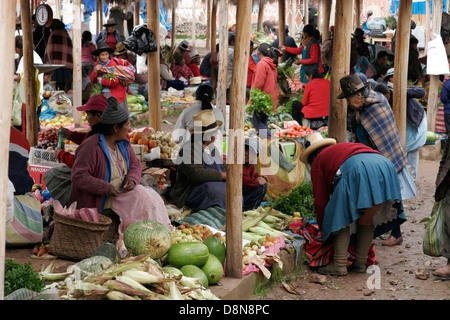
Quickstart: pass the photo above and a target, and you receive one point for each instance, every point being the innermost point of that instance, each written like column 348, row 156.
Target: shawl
column 59, row 49
column 378, row 121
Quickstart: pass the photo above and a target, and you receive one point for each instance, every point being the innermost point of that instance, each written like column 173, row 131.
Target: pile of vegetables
column 150, row 139
column 136, row 104
column 134, row 278
column 294, row 130
column 18, row 276
column 260, row 102
column 278, row 119
column 300, row 199
column 186, row 233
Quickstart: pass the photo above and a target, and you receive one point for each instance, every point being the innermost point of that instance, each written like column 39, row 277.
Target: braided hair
column 268, row 51
column 205, row 93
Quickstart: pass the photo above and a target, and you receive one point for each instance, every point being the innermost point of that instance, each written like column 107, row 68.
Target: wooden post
column 341, row 67
column 260, row 15
column 357, row 17
column 194, row 22
column 281, row 24
column 221, row 100
column 136, row 15
column 427, row 24
column 236, row 143
column 324, row 18
column 7, row 27
column 434, row 79
column 293, row 25
column 208, row 25
column 213, row 40
column 174, row 18
column 154, row 89
column 57, row 9
column 29, row 74
column 305, row 13
column 76, row 72
column 401, row 69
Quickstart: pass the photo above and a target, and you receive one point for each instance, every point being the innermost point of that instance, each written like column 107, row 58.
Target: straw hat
column 95, row 103
column 120, row 48
column 113, row 113
column 351, row 84
column 313, row 142
column 207, row 120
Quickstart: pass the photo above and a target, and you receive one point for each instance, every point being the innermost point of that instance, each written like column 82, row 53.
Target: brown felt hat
column 351, row 84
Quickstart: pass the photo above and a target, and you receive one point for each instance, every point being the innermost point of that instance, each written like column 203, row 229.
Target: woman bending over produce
column 106, row 174
column 356, row 191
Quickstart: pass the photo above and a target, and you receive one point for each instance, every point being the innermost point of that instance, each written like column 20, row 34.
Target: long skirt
column 366, row 180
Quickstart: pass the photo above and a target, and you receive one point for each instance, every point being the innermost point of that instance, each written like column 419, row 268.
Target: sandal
column 392, row 241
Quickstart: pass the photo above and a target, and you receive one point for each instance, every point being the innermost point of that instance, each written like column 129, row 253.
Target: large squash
column 216, row 247
column 213, row 269
column 148, row 237
column 184, row 253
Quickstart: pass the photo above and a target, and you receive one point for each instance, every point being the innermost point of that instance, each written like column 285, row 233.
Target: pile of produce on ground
column 136, row 104
column 299, row 202
column 151, row 139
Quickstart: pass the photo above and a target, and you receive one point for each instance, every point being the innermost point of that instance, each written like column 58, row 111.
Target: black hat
column 102, row 46
column 110, row 22
column 113, row 113
column 351, row 84
column 359, row 33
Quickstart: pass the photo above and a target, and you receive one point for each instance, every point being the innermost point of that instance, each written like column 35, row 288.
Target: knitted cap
column 113, row 113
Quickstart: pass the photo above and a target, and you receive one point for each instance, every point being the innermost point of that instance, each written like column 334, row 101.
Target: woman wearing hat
column 110, row 35
column 200, row 177
column 179, row 67
column 111, row 86
column 106, row 174
column 373, row 124
column 356, row 194
column 94, row 109
column 195, row 62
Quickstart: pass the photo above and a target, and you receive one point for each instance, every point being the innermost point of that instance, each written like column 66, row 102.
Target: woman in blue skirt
column 356, row 191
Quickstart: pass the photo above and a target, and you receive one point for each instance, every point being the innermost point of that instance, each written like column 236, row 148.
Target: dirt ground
column 396, row 266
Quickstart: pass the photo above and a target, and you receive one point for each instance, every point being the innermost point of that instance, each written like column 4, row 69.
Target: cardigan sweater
column 91, row 172
column 316, row 98
column 265, row 79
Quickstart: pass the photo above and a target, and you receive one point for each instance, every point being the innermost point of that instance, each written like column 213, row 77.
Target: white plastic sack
column 10, row 202
column 141, row 63
column 437, row 62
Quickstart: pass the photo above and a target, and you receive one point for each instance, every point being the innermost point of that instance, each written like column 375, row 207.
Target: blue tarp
column 418, row 7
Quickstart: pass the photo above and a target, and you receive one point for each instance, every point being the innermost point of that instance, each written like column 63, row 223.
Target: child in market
column 254, row 185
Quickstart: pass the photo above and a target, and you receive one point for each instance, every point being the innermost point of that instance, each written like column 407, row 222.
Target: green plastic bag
column 433, row 241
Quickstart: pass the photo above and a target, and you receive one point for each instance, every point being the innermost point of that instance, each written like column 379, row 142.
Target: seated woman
column 203, row 97
column 254, row 185
column 106, row 174
column 179, row 67
column 316, row 100
column 379, row 67
column 200, row 177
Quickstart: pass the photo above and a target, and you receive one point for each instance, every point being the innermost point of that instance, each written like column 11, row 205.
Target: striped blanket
column 319, row 253
column 213, row 217
column 124, row 71
column 27, row 225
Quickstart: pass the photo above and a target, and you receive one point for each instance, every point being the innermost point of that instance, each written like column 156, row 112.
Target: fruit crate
column 43, row 157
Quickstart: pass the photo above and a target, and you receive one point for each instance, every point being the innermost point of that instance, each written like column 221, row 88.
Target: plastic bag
column 18, row 105
column 61, row 103
column 142, row 40
column 141, row 63
column 437, row 62
column 433, row 241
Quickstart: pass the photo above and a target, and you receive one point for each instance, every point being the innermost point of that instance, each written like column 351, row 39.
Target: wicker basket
column 76, row 239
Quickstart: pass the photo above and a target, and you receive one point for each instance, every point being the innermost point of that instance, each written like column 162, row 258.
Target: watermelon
column 213, row 269
column 216, row 247
column 148, row 237
column 184, row 253
column 192, row 271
